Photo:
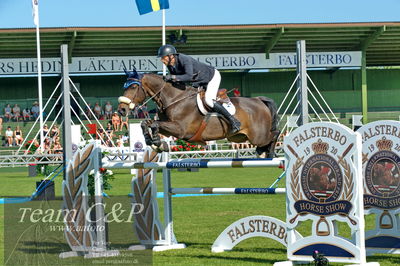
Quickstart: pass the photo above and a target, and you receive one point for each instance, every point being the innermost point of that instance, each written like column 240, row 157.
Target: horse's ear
column 126, row 72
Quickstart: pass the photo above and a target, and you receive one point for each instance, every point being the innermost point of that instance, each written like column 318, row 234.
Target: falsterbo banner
column 25, row 66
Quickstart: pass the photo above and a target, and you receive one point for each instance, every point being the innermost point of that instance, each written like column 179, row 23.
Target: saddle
column 222, row 97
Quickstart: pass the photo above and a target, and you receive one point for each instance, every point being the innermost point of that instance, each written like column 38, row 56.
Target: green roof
column 381, row 40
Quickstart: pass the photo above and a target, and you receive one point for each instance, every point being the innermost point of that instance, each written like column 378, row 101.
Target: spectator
column 108, row 110
column 57, row 148
column 35, row 110
column 124, row 122
column 16, row 110
column 109, row 130
column 7, row 113
column 47, row 146
column 26, row 114
column 120, row 142
column 54, row 132
column 145, row 112
column 236, row 92
column 97, row 110
column 100, row 134
column 135, row 112
column 116, row 121
column 45, row 131
column 125, row 138
column 88, row 111
column 9, row 136
column 18, row 136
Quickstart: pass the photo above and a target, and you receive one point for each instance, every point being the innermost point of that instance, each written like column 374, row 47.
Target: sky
column 112, row 13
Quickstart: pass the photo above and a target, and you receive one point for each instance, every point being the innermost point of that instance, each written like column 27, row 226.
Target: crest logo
column 322, row 183
column 138, row 146
column 382, row 174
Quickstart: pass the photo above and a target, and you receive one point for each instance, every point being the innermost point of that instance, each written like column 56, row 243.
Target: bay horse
column 180, row 117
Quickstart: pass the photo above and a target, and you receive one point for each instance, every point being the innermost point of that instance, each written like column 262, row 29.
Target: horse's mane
column 177, row 85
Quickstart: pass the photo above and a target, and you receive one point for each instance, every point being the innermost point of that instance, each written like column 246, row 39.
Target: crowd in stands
column 108, row 111
column 12, row 137
column 15, row 113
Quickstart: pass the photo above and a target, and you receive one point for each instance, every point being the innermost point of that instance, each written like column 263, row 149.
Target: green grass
column 198, row 220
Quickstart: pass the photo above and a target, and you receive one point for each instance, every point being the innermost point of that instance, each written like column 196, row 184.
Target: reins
column 181, row 99
column 152, row 96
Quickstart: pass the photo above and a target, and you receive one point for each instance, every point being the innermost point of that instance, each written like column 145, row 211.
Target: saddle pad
column 228, row 106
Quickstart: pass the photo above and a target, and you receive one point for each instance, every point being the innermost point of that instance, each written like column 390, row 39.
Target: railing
column 24, row 160
column 210, row 154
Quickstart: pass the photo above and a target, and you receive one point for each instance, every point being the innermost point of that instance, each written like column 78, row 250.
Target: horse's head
column 134, row 93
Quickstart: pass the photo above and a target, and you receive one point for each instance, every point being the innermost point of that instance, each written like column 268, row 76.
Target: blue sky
column 63, row 13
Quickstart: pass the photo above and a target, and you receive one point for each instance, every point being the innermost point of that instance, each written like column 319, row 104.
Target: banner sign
column 25, row 66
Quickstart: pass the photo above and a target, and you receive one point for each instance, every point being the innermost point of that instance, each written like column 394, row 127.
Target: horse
column 180, row 117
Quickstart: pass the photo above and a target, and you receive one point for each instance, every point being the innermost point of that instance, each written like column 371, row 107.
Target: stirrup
column 235, row 127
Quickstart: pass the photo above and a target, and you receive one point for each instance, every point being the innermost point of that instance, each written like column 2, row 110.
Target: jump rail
column 198, row 163
column 228, row 191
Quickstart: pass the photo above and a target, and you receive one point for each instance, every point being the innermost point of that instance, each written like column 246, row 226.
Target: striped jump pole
column 228, row 191
column 199, row 163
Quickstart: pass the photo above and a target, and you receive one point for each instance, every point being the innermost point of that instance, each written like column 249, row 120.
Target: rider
column 183, row 68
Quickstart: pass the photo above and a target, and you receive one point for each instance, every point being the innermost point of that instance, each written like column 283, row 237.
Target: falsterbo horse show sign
column 381, row 168
column 324, row 185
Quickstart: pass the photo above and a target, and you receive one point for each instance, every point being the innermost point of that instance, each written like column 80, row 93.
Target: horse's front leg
column 146, row 132
column 157, row 144
column 155, row 133
column 166, row 128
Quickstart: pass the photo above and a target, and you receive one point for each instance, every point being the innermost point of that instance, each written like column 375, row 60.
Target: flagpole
column 39, row 69
column 163, row 38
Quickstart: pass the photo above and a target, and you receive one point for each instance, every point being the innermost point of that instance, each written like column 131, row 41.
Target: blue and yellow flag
column 147, row 6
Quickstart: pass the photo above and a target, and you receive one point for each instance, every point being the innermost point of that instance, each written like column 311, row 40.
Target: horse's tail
column 273, row 109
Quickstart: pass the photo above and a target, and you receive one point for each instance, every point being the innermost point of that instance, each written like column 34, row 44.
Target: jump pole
column 227, row 191
column 199, row 163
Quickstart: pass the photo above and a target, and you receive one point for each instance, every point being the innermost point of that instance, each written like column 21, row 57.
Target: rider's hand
column 170, row 77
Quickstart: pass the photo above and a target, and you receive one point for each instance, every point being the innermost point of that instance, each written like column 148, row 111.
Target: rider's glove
column 170, row 77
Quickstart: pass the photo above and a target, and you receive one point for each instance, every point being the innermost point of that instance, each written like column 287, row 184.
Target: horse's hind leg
column 269, row 149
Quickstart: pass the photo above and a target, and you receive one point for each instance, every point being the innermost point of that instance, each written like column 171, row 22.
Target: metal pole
column 364, row 94
column 66, row 106
column 98, row 194
column 39, row 71
column 163, row 38
column 302, row 82
column 168, row 222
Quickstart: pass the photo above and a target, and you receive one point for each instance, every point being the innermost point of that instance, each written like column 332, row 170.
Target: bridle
column 129, row 83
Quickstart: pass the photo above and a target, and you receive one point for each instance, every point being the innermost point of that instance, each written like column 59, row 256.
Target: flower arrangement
column 33, row 148
column 182, row 145
column 107, row 175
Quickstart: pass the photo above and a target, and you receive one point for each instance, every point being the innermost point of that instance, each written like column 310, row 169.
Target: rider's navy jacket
column 188, row 69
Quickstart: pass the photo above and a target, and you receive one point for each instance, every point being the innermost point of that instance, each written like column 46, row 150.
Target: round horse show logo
column 382, row 170
column 138, row 146
column 321, row 176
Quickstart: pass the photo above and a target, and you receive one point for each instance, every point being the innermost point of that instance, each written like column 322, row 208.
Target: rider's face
column 168, row 60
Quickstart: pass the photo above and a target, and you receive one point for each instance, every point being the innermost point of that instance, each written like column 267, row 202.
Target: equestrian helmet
column 166, row 49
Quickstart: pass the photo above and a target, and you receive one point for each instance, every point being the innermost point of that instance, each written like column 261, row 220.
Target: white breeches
column 212, row 89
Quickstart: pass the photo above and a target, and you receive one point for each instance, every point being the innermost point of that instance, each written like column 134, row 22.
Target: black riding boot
column 235, row 124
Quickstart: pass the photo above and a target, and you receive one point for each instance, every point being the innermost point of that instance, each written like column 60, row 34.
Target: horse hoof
column 154, row 147
column 262, row 155
column 164, row 146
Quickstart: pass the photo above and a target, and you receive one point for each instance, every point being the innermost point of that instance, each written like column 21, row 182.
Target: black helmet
column 166, row 49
